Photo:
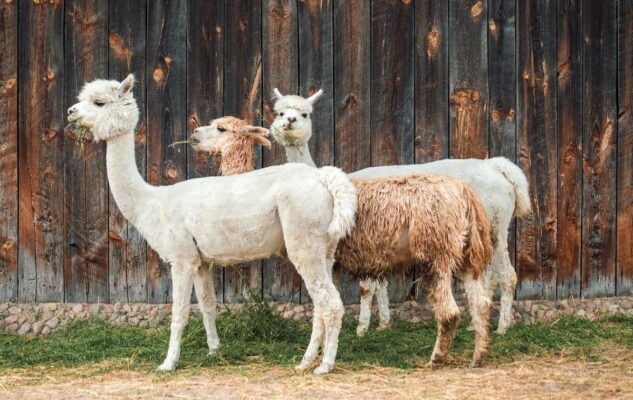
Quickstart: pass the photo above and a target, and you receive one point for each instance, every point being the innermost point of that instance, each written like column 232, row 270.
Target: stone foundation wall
column 41, row 319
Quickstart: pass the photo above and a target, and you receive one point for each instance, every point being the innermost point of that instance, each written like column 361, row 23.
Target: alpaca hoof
column 361, row 331
column 470, row 328
column 324, row 368
column 501, row 330
column 475, row 364
column 303, row 366
column 167, row 366
column 382, row 327
column 213, row 351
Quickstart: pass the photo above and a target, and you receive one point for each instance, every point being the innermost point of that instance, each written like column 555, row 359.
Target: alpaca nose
column 72, row 110
column 292, row 119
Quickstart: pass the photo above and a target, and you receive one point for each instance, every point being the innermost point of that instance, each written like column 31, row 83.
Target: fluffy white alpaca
column 225, row 220
column 501, row 185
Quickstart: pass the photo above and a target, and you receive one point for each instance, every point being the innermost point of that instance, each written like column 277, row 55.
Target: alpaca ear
column 277, row 94
column 126, row 86
column 312, row 99
column 258, row 134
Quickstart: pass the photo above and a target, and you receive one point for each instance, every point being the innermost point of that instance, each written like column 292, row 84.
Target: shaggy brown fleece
column 427, row 219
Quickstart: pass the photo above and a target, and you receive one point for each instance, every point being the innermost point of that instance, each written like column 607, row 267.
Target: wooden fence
column 548, row 84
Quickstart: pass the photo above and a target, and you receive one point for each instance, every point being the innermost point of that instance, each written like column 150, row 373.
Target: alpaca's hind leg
column 182, row 279
column 382, row 298
column 367, row 289
column 440, row 296
column 316, row 338
column 205, row 292
column 479, row 309
column 508, row 284
column 332, row 316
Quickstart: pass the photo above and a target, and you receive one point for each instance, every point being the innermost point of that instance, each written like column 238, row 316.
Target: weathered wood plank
column 243, row 98
column 40, row 151
column 166, row 114
column 280, row 61
column 570, row 65
column 9, row 152
column 205, row 69
column 351, row 99
column 85, row 181
column 468, row 79
column 392, row 103
column 316, row 72
column 536, row 148
column 431, row 81
column 128, row 250
column 599, row 152
column 431, row 87
column 502, row 87
column 625, row 150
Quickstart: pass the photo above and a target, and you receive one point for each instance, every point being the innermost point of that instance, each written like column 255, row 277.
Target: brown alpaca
column 426, row 219
column 231, row 140
column 432, row 220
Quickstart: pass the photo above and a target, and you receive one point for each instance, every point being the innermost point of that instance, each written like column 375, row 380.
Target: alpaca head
column 292, row 125
column 222, row 133
column 106, row 109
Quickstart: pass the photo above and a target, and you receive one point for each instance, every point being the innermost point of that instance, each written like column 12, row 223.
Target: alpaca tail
column 479, row 238
column 517, row 178
column 344, row 197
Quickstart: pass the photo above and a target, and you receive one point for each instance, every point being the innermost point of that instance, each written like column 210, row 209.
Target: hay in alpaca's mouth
column 77, row 131
column 288, row 137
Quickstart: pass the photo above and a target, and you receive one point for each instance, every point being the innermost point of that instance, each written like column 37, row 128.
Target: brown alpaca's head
column 106, row 109
column 232, row 139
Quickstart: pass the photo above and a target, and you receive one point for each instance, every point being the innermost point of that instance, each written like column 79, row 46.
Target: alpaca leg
column 316, row 338
column 508, row 286
column 367, row 288
column 182, row 278
column 382, row 298
column 205, row 292
column 479, row 309
column 332, row 316
column 447, row 315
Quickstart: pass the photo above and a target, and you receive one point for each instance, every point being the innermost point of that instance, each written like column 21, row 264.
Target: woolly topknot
column 291, row 101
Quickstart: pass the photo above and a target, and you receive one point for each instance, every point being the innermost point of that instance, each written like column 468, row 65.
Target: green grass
column 257, row 333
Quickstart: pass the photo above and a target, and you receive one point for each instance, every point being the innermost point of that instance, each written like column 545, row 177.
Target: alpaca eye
column 281, row 114
column 99, row 103
column 304, row 115
column 221, row 129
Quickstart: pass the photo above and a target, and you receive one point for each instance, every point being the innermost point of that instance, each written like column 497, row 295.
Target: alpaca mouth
column 288, row 137
column 77, row 131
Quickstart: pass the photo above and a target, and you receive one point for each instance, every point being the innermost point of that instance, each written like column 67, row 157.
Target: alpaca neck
column 300, row 154
column 237, row 157
column 128, row 188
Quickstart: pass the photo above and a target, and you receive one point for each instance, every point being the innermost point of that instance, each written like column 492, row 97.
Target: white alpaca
column 225, row 220
column 500, row 184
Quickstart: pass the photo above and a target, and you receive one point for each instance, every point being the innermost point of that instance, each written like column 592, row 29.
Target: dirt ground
column 555, row 378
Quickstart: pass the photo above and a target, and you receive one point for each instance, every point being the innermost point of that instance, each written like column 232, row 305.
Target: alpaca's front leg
column 318, row 332
column 382, row 298
column 182, row 278
column 205, row 292
column 367, row 289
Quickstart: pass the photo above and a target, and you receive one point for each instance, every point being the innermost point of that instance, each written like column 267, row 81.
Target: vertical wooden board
column 243, row 98
column 502, row 77
column 502, row 87
column 599, row 152
column 431, row 86
column 569, row 72
column 166, row 114
column 431, row 81
column 351, row 99
column 205, row 68
column 40, row 151
column 468, row 78
column 392, row 104
column 127, row 248
column 280, row 61
column 536, row 148
column 85, row 181
column 625, row 150
column 316, row 72
column 9, row 152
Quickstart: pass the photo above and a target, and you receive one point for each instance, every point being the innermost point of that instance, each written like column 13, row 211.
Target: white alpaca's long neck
column 300, row 154
column 129, row 190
